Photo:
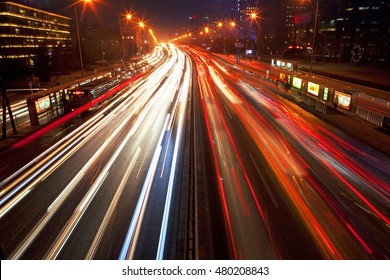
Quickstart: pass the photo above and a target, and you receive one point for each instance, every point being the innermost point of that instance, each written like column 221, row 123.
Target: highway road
column 105, row 190
column 201, row 145
column 291, row 186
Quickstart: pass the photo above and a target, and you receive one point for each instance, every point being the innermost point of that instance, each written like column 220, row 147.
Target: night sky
column 164, row 16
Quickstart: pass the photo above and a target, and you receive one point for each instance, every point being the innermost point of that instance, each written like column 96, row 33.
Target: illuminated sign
column 343, row 100
column 313, row 88
column 326, row 93
column 290, row 66
column 42, row 104
column 297, row 83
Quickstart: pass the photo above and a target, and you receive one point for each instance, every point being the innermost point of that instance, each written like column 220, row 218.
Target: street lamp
column 254, row 16
column 126, row 18
column 314, row 37
column 220, row 25
column 79, row 42
column 78, row 35
column 141, row 25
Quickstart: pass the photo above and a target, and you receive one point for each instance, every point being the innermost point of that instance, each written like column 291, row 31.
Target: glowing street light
column 220, row 25
column 78, row 34
column 122, row 18
column 255, row 17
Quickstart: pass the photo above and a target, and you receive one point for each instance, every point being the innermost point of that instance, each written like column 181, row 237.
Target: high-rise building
column 343, row 28
column 354, row 30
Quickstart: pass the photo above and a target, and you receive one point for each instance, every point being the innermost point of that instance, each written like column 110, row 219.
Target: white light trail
column 111, row 209
column 128, row 247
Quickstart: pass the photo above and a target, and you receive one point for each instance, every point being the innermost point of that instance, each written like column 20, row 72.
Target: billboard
column 342, row 99
column 297, row 83
column 313, row 88
column 287, row 65
column 43, row 104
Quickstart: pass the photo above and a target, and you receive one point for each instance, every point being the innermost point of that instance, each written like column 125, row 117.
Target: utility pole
column 79, row 41
column 314, row 38
column 6, row 105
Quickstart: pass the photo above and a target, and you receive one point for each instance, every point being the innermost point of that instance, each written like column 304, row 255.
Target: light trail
column 53, row 208
column 311, row 174
column 164, row 227
column 111, row 209
column 128, row 247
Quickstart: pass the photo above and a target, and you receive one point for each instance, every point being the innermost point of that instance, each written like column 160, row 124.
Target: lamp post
column 256, row 17
column 79, row 43
column 222, row 33
column 141, row 26
column 78, row 33
column 232, row 35
column 122, row 39
column 121, row 20
column 314, row 37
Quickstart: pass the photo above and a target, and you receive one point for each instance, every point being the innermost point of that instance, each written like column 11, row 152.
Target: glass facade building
column 26, row 32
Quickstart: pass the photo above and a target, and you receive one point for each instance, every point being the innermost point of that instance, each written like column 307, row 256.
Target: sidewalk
column 365, row 75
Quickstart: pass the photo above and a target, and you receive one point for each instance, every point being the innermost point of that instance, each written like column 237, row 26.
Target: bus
column 85, row 93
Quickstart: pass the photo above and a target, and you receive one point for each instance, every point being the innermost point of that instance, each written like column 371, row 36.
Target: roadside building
column 30, row 36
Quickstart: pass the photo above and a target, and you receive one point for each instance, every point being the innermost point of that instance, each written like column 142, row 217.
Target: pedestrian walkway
column 365, row 75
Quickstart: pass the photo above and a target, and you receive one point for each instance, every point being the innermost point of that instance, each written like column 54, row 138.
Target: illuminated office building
column 26, row 33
